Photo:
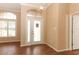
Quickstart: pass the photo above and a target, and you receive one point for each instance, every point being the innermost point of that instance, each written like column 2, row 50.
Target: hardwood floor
column 41, row 49
column 15, row 49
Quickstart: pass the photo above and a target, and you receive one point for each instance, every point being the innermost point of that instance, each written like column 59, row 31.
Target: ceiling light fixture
column 41, row 7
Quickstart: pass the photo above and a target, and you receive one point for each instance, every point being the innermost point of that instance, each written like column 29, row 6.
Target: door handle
column 32, row 32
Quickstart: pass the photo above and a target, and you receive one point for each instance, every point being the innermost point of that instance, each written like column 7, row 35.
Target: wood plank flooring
column 15, row 49
column 41, row 49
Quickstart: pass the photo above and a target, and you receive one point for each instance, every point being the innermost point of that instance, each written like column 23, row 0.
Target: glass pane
column 11, row 32
column 3, row 24
column 28, row 31
column 7, row 15
column 37, row 31
column 3, row 33
column 11, row 24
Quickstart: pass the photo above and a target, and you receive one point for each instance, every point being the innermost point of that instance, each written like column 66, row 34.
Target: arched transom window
column 7, row 24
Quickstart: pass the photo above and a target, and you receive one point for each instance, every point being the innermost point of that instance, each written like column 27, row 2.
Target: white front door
column 34, row 31
column 75, row 32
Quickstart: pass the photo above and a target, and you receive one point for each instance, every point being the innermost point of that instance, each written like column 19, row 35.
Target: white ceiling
column 39, row 4
column 10, row 5
column 17, row 6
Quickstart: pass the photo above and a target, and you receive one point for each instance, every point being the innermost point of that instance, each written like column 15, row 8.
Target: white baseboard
column 25, row 45
column 56, row 49
column 31, row 44
column 9, row 41
column 49, row 46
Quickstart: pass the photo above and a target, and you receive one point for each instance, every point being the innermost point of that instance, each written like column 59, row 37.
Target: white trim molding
column 28, row 44
column 56, row 49
column 49, row 46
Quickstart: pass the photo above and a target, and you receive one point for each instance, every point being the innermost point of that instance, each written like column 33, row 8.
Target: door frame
column 71, row 31
column 42, row 34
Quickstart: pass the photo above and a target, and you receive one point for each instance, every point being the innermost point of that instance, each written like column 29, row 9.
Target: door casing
column 71, row 32
column 42, row 33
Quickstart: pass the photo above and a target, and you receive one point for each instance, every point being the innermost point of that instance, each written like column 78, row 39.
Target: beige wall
column 52, row 24
column 57, row 14
column 62, row 27
column 12, row 39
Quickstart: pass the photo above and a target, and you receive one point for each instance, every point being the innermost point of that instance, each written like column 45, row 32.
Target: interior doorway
column 74, row 32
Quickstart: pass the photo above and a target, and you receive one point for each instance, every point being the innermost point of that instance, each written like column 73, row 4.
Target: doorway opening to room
column 74, row 32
